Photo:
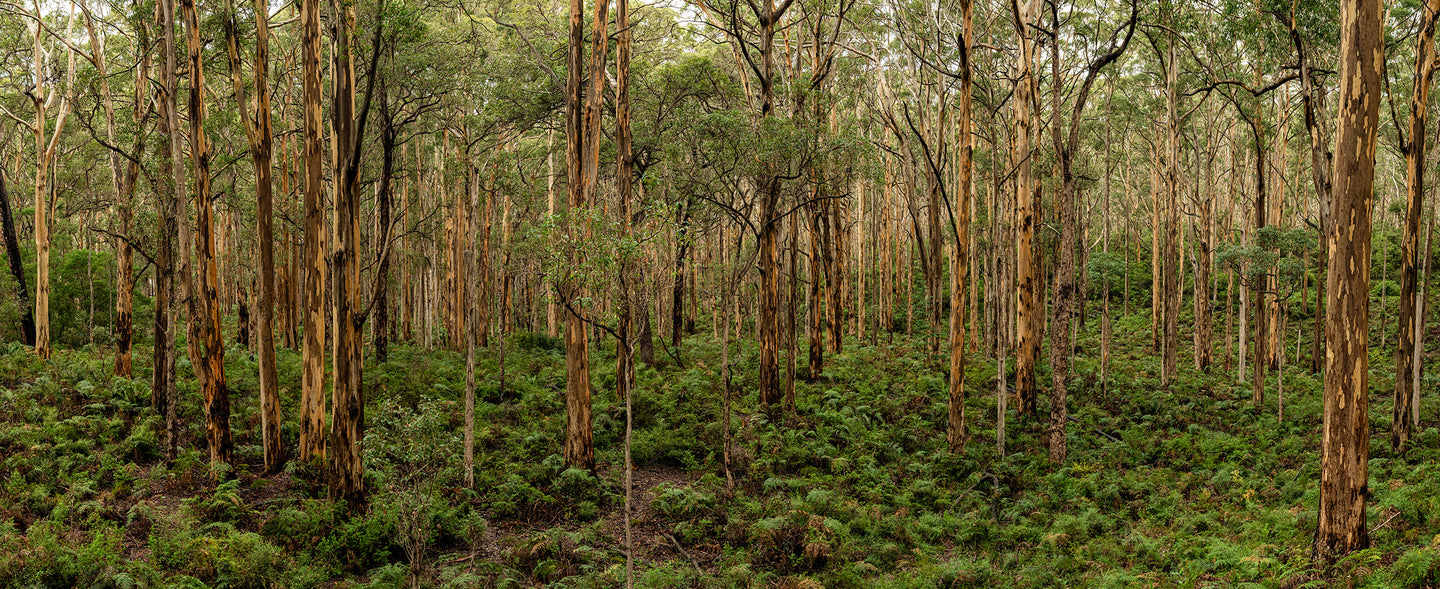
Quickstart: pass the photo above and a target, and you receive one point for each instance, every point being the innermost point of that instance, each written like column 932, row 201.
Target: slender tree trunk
column 258, row 132
column 163, row 392
column 1401, row 428
column 1345, row 449
column 1027, row 285
column 207, row 346
column 959, row 265
column 44, row 156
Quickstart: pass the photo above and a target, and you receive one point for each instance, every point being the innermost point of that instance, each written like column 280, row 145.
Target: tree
column 312, row 399
column 1027, row 285
column 260, row 139
column 1412, row 144
column 44, row 156
column 347, row 406
column 1345, row 448
column 207, row 346
column 1066, row 146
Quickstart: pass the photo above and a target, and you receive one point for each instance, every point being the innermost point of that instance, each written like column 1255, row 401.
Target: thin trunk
column 960, row 263
column 207, row 346
column 17, row 266
column 1414, row 149
column 1027, row 285
column 260, row 139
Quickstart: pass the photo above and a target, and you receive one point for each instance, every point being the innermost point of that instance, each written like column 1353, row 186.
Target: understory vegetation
column 1186, row 487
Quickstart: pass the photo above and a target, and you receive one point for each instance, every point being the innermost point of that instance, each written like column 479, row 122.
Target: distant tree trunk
column 124, row 179
column 17, row 266
column 817, row 272
column 1261, row 304
column 207, row 346
column 312, row 397
column 1204, row 283
column 260, row 139
column 1027, row 286
column 677, row 290
column 1345, row 449
column 624, row 174
column 384, row 200
column 1413, row 146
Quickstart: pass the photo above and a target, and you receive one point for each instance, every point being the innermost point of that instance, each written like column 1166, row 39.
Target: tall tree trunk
column 1027, row 285
column 1345, row 449
column 768, row 184
column 123, row 179
column 260, row 139
column 579, row 437
column 960, row 264
column 312, row 397
column 347, row 417
column 384, row 199
column 1171, row 278
column 624, row 172
column 1413, row 145
column 207, row 347
column 170, row 196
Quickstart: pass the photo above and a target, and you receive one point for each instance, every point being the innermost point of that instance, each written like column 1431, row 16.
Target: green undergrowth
column 1190, row 485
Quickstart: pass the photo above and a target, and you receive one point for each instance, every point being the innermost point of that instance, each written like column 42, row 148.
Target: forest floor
column 1187, row 486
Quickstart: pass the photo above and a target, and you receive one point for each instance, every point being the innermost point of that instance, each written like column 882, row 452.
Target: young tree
column 44, row 156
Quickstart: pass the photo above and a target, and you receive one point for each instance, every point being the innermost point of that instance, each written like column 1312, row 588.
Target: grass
column 1190, row 486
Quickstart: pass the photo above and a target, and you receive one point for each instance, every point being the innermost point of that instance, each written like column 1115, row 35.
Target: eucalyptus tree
column 751, row 26
column 206, row 344
column 1067, row 145
column 312, row 399
column 1411, row 317
column 1345, row 447
column 46, row 142
column 260, row 138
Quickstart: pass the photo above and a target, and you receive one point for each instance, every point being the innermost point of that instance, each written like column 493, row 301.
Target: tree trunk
column 1171, row 278
column 207, row 346
column 347, row 417
column 1027, row 286
column 163, row 393
column 44, row 156
column 1345, row 449
column 312, row 397
column 579, row 437
column 260, row 138
column 960, row 264
column 17, row 266
column 1413, row 146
